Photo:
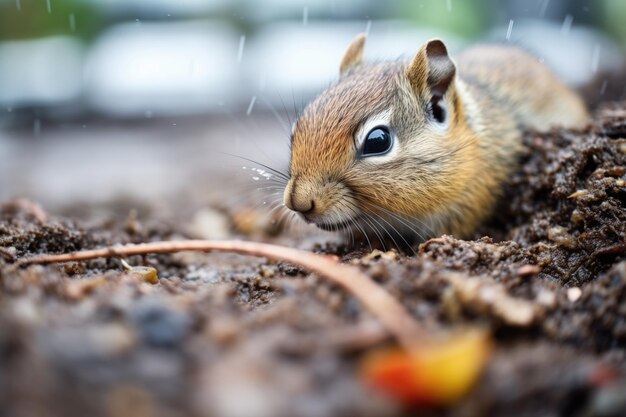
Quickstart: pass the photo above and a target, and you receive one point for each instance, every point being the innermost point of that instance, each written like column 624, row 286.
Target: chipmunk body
column 420, row 147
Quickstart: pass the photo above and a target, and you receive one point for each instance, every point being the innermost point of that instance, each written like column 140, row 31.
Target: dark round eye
column 377, row 141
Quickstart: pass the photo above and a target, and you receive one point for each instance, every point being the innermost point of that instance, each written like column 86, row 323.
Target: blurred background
column 102, row 100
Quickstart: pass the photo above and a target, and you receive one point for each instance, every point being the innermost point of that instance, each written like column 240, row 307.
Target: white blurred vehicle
column 41, row 72
column 138, row 69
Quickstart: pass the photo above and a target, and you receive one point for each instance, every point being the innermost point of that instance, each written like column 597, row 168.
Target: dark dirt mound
column 239, row 336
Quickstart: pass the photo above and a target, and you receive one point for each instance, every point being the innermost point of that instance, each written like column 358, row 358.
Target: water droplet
column 305, row 15
column 242, row 42
column 251, row 106
column 449, row 5
column 49, row 6
column 595, row 58
column 18, row 5
column 544, row 8
column 605, row 83
column 509, row 30
column 368, row 26
column 567, row 25
column 72, row 19
column 173, row 124
column 255, row 178
column 148, row 114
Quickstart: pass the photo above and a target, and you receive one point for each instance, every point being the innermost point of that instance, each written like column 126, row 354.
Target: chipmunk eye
column 377, row 141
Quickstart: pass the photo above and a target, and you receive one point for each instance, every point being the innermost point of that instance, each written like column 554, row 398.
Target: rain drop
column 567, row 25
column 509, row 30
column 605, row 83
column 305, row 15
column 242, row 42
column 544, row 8
column 72, row 22
column 251, row 106
column 595, row 58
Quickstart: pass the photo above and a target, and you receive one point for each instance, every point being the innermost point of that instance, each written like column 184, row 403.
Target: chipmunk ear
column 431, row 68
column 354, row 53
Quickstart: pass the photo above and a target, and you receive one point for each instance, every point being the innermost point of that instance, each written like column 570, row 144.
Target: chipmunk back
column 419, row 148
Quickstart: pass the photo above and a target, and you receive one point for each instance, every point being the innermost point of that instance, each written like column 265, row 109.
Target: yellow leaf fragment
column 578, row 193
column 438, row 373
column 147, row 273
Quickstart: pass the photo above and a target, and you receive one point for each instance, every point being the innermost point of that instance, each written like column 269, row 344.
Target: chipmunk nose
column 298, row 198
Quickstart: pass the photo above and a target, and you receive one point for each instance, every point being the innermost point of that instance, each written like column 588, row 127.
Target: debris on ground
column 219, row 334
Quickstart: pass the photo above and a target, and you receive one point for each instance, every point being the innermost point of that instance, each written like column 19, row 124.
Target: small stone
column 247, row 221
column 133, row 225
column 546, row 298
column 77, row 289
column 527, row 270
column 577, row 217
column 574, row 293
column 560, row 236
column 210, row 224
column 267, row 271
column 224, row 330
column 160, row 325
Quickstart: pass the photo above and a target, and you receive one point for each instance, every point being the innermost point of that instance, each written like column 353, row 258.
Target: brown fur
column 441, row 180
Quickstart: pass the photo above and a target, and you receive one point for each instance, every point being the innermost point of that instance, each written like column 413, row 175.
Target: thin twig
column 389, row 311
column 29, row 206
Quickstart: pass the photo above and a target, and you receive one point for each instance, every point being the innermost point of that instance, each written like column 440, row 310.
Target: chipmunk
column 420, row 147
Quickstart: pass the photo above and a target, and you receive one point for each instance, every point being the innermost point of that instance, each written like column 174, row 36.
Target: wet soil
column 226, row 335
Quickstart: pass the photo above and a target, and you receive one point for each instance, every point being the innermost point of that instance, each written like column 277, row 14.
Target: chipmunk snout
column 298, row 198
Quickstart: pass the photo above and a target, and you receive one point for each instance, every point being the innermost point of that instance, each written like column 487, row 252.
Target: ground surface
column 226, row 335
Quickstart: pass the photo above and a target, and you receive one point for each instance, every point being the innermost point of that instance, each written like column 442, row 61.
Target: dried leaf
column 437, row 373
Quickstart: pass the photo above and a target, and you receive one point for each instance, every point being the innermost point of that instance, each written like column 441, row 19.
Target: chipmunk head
column 379, row 144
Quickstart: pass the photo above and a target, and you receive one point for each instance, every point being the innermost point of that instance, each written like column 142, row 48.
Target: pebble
column 160, row 325
column 574, row 293
column 526, row 270
column 210, row 224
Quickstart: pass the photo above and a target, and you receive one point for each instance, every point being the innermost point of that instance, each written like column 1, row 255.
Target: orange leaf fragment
column 437, row 373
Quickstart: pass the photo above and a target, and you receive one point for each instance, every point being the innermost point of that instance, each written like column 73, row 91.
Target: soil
column 226, row 335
